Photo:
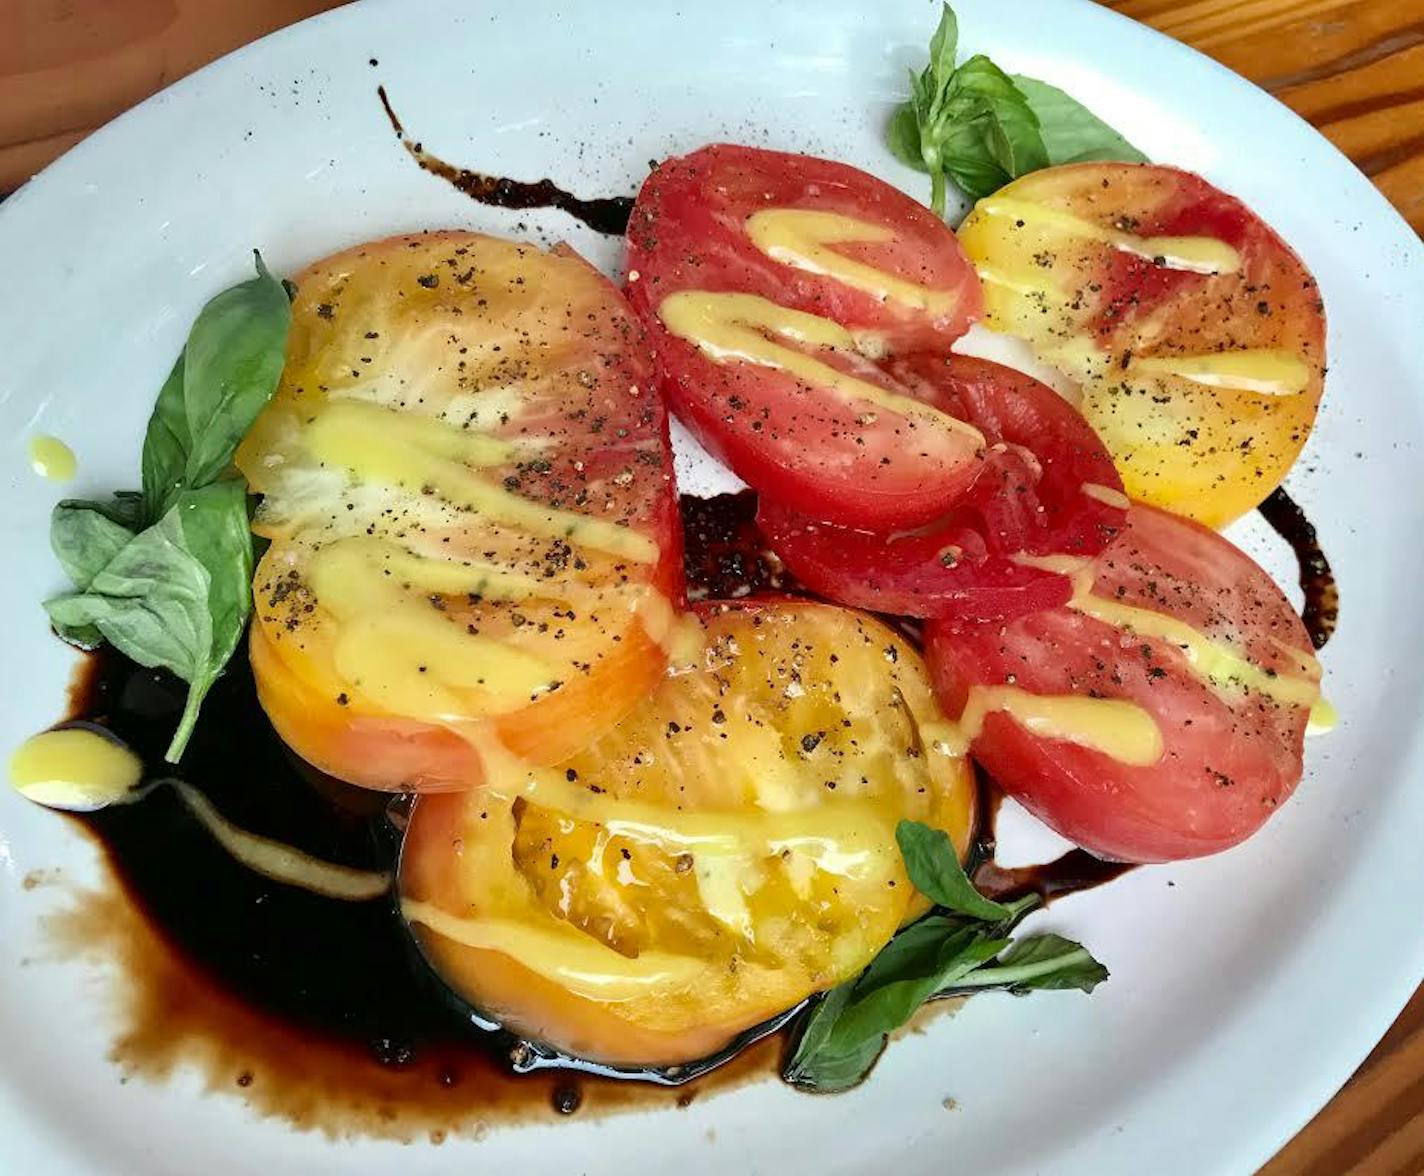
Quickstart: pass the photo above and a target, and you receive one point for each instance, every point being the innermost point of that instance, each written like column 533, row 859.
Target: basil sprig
column 964, row 947
column 165, row 576
column 980, row 127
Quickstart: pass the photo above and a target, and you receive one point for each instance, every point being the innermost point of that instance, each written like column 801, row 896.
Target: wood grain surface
column 1354, row 68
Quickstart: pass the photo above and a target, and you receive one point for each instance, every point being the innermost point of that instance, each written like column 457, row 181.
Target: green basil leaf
column 165, row 446
column 986, row 132
column 150, row 602
column 944, row 47
column 934, row 868
column 84, row 537
column 1071, row 132
column 214, row 523
column 902, row 135
column 176, row 595
column 981, row 128
column 1040, row 963
column 215, row 531
column 85, row 637
column 225, row 375
column 846, row 1032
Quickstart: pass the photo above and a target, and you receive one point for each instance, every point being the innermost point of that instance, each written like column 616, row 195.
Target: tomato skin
column 1230, row 758
column 1104, row 315
column 794, row 712
column 790, row 437
column 531, row 379
column 1028, row 499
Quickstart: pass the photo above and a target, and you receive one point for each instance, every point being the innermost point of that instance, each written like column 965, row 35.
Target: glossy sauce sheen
column 1322, row 596
column 605, row 214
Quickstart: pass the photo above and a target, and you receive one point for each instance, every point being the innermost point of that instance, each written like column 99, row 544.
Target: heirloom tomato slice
column 1047, row 487
column 771, row 285
column 724, row 852
column 466, row 483
column 1160, row 714
column 1196, row 335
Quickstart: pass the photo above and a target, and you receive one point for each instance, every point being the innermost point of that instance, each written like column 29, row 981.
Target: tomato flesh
column 771, row 284
column 1047, row 486
column 1171, row 628
column 466, row 482
column 727, row 850
column 1196, row 334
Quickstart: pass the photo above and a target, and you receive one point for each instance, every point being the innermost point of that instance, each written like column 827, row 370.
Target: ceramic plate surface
column 1245, row 988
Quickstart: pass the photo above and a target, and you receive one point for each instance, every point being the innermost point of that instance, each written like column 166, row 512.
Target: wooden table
column 1355, row 68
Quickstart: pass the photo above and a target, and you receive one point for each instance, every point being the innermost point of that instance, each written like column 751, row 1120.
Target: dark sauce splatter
column 1072, row 873
column 1322, row 596
column 316, row 1010
column 602, row 214
column 726, row 557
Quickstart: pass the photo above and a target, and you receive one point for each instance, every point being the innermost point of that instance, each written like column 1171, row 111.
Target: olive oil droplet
column 51, row 458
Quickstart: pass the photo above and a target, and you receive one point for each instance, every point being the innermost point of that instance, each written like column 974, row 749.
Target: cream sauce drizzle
column 75, row 769
column 583, row 965
column 1106, row 495
column 744, row 328
column 387, row 446
column 1202, row 255
column 281, row 862
column 1265, row 371
column 79, row 770
column 1114, row 727
column 1220, row 666
column 799, row 238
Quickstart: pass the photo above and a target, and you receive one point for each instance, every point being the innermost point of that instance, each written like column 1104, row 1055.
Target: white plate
column 1244, row 989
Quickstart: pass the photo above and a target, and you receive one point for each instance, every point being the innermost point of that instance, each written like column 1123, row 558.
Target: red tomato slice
column 1047, row 486
column 1196, row 335
column 770, row 282
column 468, row 490
column 1160, row 714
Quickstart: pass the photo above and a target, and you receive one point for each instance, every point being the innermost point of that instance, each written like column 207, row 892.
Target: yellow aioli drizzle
column 430, row 434
column 1116, row 728
column 373, row 447
column 739, row 327
column 585, row 966
column 680, row 636
column 1218, row 665
column 1106, row 494
column 1269, row 372
column 76, row 769
column 1201, row 255
column 279, row 861
column 404, row 654
column 79, row 770
column 358, row 560
column 1023, row 287
column 849, row 838
column 51, row 458
column 1323, row 717
column 798, row 237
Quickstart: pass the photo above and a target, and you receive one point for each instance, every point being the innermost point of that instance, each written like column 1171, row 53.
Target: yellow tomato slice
column 1195, row 334
column 727, row 850
column 467, row 485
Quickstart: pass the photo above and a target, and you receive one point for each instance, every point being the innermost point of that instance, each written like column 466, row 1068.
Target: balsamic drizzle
column 1322, row 595
column 602, row 214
